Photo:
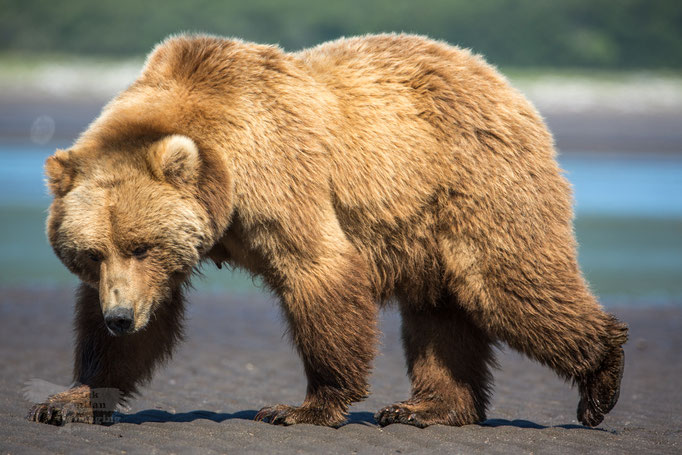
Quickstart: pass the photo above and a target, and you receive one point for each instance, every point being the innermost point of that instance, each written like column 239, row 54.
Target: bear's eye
column 141, row 251
column 94, row 256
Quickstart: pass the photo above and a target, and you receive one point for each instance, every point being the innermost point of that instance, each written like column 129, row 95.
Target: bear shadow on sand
column 520, row 423
column 365, row 418
column 160, row 416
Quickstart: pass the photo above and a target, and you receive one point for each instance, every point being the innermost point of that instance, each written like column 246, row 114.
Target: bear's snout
column 119, row 320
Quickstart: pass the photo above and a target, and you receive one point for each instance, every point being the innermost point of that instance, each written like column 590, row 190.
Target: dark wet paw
column 600, row 391
column 589, row 415
column 282, row 414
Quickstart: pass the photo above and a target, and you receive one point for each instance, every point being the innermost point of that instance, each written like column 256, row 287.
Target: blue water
column 628, row 224
column 630, row 185
column 610, row 185
column 21, row 176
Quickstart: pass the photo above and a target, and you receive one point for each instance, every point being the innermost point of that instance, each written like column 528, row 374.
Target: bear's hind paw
column 599, row 392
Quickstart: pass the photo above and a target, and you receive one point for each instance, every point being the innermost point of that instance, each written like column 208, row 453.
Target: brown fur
column 345, row 175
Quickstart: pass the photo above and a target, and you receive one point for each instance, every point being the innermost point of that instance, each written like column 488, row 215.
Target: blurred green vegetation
column 623, row 34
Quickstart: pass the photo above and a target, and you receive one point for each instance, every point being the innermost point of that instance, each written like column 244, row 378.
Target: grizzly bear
column 363, row 171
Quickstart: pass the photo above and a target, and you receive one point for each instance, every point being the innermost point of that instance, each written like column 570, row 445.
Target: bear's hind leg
column 554, row 319
column 108, row 369
column 448, row 361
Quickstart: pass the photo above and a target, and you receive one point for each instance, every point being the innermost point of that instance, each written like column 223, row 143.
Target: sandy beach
column 236, row 359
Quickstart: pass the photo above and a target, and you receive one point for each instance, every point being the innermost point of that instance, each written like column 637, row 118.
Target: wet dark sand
column 236, row 360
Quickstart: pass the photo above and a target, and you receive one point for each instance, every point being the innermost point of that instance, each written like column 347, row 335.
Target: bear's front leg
column 332, row 318
column 109, row 368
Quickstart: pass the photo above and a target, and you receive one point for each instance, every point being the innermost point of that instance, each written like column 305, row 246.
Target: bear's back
column 413, row 116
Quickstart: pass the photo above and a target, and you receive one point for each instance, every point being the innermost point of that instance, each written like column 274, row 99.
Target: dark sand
column 236, row 360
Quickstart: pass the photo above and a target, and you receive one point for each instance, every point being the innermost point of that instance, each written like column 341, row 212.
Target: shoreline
column 592, row 131
column 629, row 112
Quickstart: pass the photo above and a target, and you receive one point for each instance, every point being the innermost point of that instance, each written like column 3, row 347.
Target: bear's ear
column 175, row 159
column 60, row 172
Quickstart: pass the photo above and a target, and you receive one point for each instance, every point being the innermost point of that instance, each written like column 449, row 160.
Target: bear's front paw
column 73, row 405
column 283, row 414
column 421, row 414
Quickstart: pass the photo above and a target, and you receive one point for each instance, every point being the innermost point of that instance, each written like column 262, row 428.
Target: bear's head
column 128, row 223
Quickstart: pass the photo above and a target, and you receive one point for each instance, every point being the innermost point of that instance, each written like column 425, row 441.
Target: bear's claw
column 276, row 415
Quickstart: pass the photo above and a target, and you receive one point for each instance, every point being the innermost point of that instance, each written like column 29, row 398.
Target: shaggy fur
column 345, row 175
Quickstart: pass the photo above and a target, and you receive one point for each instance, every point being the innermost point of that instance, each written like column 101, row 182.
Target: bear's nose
column 119, row 320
